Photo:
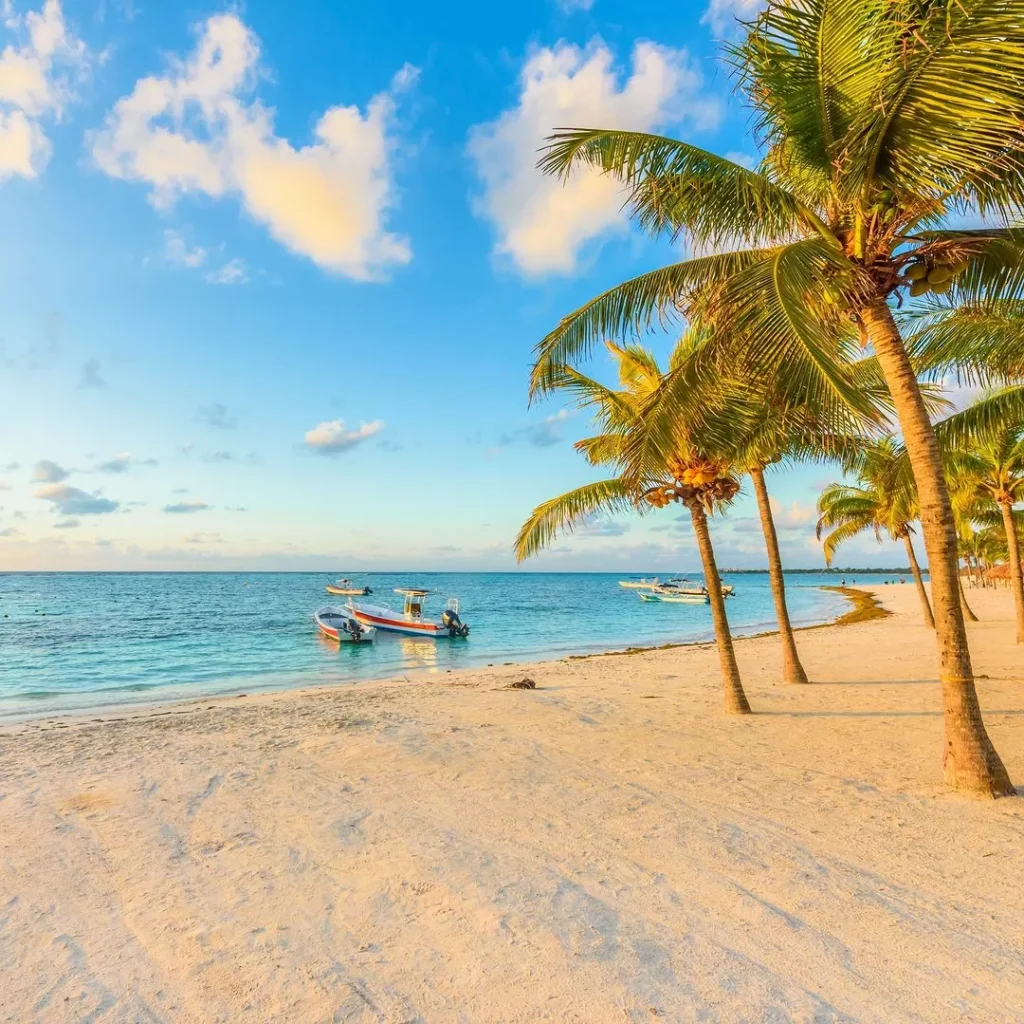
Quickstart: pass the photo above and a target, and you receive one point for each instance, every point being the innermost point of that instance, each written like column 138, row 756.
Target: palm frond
column 570, row 509
column 629, row 310
column 674, row 186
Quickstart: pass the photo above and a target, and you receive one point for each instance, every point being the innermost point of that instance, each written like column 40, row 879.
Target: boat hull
column 347, row 591
column 389, row 621
column 330, row 623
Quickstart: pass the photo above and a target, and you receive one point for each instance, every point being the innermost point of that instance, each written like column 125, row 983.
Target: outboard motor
column 456, row 627
column 354, row 630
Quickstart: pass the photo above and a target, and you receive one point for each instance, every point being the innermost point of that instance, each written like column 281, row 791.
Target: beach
column 607, row 846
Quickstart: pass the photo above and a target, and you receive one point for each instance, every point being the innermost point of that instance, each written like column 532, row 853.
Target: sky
column 272, row 274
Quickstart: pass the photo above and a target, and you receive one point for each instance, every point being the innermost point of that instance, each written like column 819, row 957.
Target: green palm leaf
column 568, row 510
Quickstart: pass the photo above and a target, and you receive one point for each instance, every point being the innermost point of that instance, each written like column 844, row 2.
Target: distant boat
column 673, row 587
column 341, row 625
column 667, row 597
column 640, row 584
column 410, row 620
column 347, row 588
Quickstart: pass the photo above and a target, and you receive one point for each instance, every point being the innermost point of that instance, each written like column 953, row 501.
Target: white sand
column 608, row 847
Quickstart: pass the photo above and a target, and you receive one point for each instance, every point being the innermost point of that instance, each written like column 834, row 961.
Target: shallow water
column 76, row 640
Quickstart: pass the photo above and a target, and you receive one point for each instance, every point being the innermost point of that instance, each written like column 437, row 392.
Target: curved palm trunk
column 926, row 608
column 1016, row 578
column 735, row 698
column 792, row 670
column 970, row 761
column 971, row 617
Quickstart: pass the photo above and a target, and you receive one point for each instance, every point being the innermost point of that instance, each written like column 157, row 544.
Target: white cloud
column 4, row 485
column 541, row 221
column 233, row 272
column 331, row 436
column 199, row 129
column 722, row 15
column 178, row 253
column 34, row 85
column 70, row 501
column 797, row 516
column 572, row 6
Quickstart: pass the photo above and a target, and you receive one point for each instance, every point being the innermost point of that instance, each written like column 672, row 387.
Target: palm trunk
column 970, row 762
column 792, row 670
column 1016, row 578
column 971, row 617
column 926, row 608
column 735, row 698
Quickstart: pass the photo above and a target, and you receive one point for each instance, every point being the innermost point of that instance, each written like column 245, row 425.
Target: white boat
column 410, row 621
column 666, row 597
column 690, row 590
column 640, row 584
column 347, row 587
column 341, row 625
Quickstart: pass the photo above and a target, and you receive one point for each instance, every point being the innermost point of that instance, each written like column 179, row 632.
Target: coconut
column 919, row 288
column 917, row 272
column 943, row 286
column 939, row 274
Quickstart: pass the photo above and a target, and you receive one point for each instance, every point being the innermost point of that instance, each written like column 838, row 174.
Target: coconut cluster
column 707, row 480
column 934, row 276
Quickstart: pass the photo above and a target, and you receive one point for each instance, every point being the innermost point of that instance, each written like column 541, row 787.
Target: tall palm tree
column 699, row 479
column 989, row 456
column 882, row 503
column 863, row 162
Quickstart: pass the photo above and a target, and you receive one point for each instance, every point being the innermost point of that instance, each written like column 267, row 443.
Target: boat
column 347, row 588
column 410, row 621
column 691, row 591
column 341, row 625
column 640, row 584
column 670, row 598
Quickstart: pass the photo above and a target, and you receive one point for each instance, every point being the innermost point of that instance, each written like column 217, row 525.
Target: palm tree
column 863, row 162
column 882, row 503
column 701, row 480
column 988, row 455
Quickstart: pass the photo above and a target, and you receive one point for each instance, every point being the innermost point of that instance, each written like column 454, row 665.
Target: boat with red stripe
column 411, row 620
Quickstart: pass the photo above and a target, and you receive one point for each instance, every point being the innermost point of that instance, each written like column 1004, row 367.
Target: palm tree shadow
column 874, row 682
column 878, row 714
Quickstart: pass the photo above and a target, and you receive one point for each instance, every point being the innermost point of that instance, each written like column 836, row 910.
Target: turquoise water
column 69, row 641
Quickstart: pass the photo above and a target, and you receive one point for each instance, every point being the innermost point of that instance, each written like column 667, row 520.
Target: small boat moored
column 640, row 584
column 410, row 620
column 341, row 625
column 669, row 598
column 348, row 588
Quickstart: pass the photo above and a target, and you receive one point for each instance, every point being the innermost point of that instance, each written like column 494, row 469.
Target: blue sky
column 272, row 274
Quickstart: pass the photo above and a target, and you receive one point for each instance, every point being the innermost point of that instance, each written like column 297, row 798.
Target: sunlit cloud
column 71, row 501
column 331, row 436
column 36, row 75
column 47, row 472
column 725, row 16
column 543, row 223
column 199, row 130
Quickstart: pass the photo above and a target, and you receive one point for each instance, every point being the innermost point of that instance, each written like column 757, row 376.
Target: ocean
column 73, row 641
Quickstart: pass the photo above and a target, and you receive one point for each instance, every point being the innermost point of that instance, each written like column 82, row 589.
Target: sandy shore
column 607, row 847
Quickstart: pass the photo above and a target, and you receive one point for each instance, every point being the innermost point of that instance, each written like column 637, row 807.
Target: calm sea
column 70, row 641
